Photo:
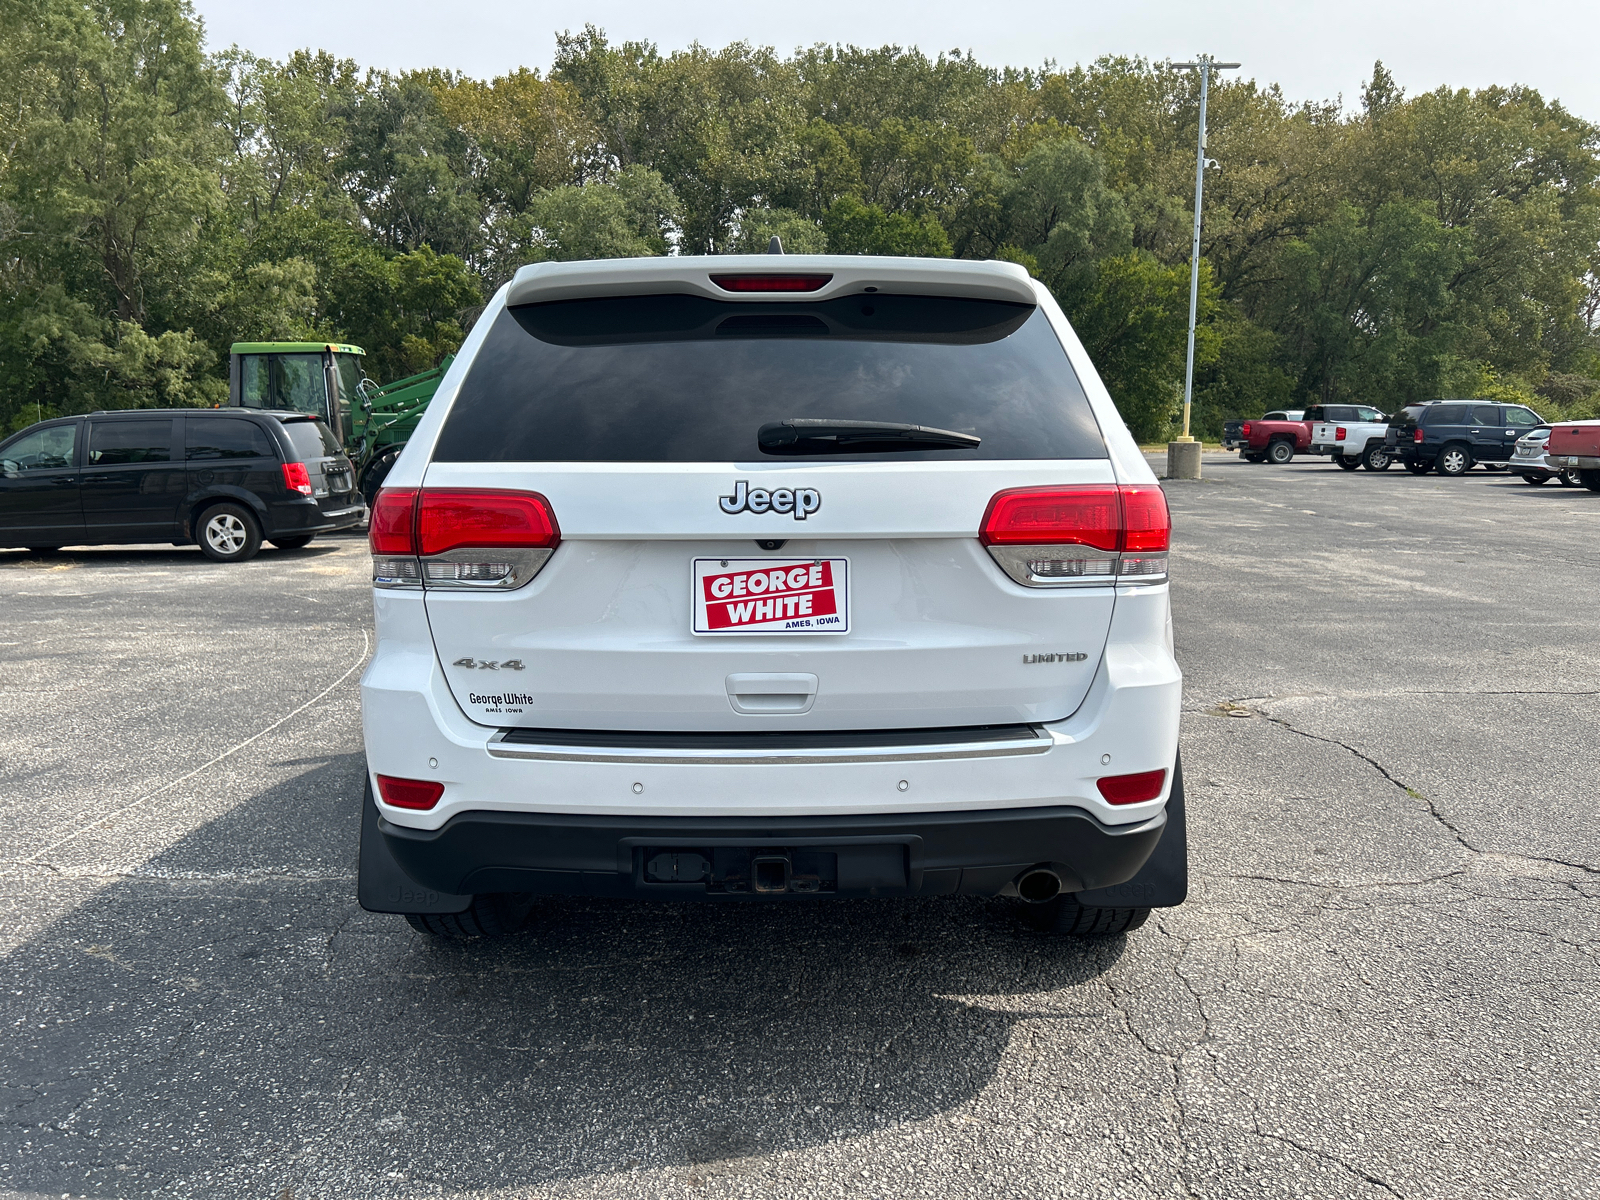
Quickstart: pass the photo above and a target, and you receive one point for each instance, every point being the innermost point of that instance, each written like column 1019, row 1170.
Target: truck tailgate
column 1576, row 438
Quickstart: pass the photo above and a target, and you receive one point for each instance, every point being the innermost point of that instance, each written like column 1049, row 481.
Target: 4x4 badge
column 799, row 503
column 510, row 664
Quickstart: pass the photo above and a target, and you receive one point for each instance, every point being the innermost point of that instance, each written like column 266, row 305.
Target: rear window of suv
column 689, row 379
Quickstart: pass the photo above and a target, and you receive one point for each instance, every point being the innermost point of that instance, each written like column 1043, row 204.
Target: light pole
column 1185, row 463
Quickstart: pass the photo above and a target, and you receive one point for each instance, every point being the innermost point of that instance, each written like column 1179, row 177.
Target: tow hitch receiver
column 752, row 870
column 769, row 872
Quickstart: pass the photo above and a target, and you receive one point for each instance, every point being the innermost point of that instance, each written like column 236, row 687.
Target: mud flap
column 1163, row 881
column 381, row 885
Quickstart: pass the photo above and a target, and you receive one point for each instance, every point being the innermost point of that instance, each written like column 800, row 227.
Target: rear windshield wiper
column 856, row 437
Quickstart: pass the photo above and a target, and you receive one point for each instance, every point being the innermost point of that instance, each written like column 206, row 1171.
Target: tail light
column 1132, row 789
column 409, row 793
column 771, row 283
column 1244, row 430
column 296, row 478
column 1339, row 434
column 1091, row 534
column 463, row 538
column 1416, row 434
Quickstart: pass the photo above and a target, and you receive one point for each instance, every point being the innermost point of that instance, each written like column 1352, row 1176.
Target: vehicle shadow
column 155, row 555
column 227, row 1019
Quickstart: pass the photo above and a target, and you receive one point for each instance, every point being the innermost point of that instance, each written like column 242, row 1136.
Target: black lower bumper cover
column 895, row 854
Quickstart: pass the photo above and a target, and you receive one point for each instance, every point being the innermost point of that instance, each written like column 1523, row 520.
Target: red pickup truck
column 1576, row 445
column 1276, row 437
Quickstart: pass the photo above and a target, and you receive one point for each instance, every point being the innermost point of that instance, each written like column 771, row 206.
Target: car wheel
column 1536, row 478
column 1569, row 478
column 1255, row 458
column 1345, row 461
column 1590, row 480
column 1065, row 915
column 1417, row 467
column 1376, row 458
column 1280, row 453
column 497, row 914
column 292, row 543
column 228, row 533
column 1454, row 460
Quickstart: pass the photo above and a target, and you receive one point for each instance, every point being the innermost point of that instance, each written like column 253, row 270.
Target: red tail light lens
column 420, row 794
column 1339, row 434
column 770, row 283
column 296, row 479
column 1146, row 522
column 1132, row 789
column 449, row 518
column 1416, row 434
column 1244, row 430
column 392, row 530
column 1079, row 516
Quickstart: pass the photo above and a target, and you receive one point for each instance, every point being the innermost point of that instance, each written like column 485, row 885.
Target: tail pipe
column 1038, row 884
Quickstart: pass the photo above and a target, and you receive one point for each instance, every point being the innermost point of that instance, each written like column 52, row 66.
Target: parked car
column 1453, row 435
column 757, row 578
column 223, row 478
column 1276, row 437
column 1233, row 431
column 1351, row 433
column 1530, row 460
column 1576, row 446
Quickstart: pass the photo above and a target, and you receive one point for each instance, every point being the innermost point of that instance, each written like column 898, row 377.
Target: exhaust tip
column 1038, row 886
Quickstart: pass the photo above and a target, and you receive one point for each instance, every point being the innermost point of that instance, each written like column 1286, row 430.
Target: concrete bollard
column 1183, row 460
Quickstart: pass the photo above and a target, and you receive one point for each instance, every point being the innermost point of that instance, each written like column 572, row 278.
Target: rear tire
column 376, row 473
column 228, row 533
column 496, row 914
column 1569, row 478
column 1590, row 480
column 292, row 543
column 1064, row 915
column 1536, row 478
column 1255, row 458
column 1280, row 453
column 1346, row 462
column 1417, row 467
column 1454, row 459
column 1376, row 458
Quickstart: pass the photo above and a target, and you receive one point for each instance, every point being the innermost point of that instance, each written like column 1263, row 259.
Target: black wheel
column 1280, row 453
column 497, row 914
column 228, row 533
column 1569, row 478
column 1417, row 467
column 1454, row 459
column 292, row 543
column 1590, row 480
column 1536, row 478
column 1346, row 462
column 1065, row 915
column 376, row 473
column 1255, row 458
column 1376, row 458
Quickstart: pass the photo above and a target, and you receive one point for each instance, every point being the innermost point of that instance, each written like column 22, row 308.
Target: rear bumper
column 897, row 854
column 1580, row 462
column 307, row 516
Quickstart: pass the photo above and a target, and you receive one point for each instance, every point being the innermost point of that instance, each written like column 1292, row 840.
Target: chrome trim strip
column 1040, row 744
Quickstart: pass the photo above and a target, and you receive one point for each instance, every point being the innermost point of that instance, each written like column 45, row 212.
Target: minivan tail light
column 771, row 283
column 296, row 478
column 420, row 794
column 1088, row 534
column 464, row 538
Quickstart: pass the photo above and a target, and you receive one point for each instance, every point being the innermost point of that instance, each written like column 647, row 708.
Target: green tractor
column 372, row 421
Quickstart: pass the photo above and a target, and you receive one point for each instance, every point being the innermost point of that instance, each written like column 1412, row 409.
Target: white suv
column 771, row 578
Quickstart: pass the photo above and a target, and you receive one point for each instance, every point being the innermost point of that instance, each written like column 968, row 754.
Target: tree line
column 159, row 201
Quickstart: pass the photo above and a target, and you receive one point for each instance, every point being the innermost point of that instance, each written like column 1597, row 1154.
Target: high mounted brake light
column 771, row 283
column 472, row 538
column 1088, row 534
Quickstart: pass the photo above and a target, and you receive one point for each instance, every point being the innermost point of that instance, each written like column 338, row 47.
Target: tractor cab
column 323, row 378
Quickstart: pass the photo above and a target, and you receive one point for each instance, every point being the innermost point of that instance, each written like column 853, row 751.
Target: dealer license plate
column 771, row 595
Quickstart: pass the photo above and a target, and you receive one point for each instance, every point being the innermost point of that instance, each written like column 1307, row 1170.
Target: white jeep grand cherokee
column 743, row 578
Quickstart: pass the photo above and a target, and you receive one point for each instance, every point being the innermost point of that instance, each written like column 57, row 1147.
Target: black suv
column 1451, row 435
column 222, row 478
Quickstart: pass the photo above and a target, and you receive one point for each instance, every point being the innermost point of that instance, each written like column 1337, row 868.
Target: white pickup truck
column 1352, row 433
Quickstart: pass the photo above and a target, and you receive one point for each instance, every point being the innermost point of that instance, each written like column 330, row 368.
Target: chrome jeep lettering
column 799, row 503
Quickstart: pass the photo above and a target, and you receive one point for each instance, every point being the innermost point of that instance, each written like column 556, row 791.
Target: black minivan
column 1451, row 435
column 220, row 477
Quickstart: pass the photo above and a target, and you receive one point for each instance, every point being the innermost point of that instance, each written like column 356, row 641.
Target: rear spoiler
column 846, row 275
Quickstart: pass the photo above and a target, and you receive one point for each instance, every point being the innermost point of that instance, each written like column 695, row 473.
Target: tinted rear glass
column 1410, row 413
column 207, row 438
column 1446, row 414
column 125, row 443
column 311, row 439
column 689, row 379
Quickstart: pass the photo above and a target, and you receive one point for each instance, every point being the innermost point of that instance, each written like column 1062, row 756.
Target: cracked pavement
column 1383, row 984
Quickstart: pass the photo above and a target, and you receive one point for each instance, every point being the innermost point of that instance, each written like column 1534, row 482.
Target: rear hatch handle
column 772, row 692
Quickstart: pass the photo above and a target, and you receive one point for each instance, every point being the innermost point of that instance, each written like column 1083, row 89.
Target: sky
column 1316, row 51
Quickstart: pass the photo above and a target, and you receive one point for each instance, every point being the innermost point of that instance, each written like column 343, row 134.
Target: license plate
column 771, row 595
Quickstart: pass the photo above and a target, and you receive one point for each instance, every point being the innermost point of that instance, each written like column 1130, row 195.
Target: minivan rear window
column 311, row 439
column 680, row 378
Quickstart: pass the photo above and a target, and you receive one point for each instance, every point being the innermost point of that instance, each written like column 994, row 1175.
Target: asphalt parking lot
column 1384, row 983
